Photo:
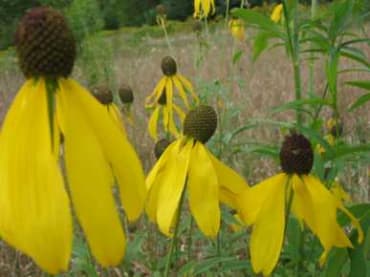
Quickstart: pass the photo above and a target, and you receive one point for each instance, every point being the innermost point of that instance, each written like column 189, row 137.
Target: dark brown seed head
column 45, row 44
column 103, row 94
column 160, row 147
column 296, row 155
column 169, row 66
column 125, row 94
column 200, row 123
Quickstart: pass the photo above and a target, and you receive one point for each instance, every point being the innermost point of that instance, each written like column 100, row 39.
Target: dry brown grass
column 266, row 83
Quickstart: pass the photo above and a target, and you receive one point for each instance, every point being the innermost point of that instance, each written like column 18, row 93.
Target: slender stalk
column 227, row 12
column 174, row 238
column 163, row 25
column 293, row 49
column 312, row 61
column 190, row 237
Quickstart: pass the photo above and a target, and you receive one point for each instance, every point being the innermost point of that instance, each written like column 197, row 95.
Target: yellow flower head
column 237, row 29
column 277, row 13
column 265, row 204
column 35, row 206
column 186, row 163
column 162, row 99
column 202, row 8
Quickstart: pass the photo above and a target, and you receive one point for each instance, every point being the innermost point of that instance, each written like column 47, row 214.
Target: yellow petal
column 181, row 91
column 34, row 207
column 172, row 185
column 155, row 177
column 276, row 13
column 231, row 184
column 250, row 201
column 188, row 87
column 90, row 180
column 154, row 96
column 152, row 124
column 179, row 112
column 116, row 148
column 311, row 198
column 117, row 117
column 268, row 231
column 203, row 191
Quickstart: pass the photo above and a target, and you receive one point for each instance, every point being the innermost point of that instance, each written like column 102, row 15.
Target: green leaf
column 297, row 104
column 260, row 44
column 356, row 55
column 360, row 84
column 335, row 262
column 360, row 101
column 237, row 56
column 259, row 20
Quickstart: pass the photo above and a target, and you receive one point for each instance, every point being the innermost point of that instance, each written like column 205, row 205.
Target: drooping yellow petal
column 172, row 185
column 181, row 91
column 116, row 148
column 277, row 13
column 317, row 207
column 152, row 124
column 250, row 201
column 179, row 112
column 189, row 87
column 154, row 180
column 203, row 191
column 154, row 96
column 90, row 180
column 230, row 183
column 268, row 230
column 34, row 207
column 116, row 116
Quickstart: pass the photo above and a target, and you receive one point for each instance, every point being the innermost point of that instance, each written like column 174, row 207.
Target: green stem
column 293, row 49
column 163, row 25
column 174, row 238
column 227, row 12
column 190, row 237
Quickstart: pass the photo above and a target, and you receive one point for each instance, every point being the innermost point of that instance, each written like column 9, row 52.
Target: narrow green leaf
column 260, row 44
column 360, row 84
column 297, row 104
column 237, row 56
column 360, row 101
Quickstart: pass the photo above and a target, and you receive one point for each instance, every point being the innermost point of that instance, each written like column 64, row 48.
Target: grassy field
column 242, row 91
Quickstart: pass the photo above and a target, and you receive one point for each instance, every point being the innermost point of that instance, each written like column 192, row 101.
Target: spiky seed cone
column 296, row 155
column 45, row 45
column 169, row 66
column 160, row 147
column 200, row 123
column 162, row 100
column 103, row 94
column 125, row 94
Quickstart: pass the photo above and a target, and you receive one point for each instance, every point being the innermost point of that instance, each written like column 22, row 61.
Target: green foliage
column 84, row 17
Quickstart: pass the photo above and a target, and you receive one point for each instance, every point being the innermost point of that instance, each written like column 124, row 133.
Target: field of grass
column 243, row 92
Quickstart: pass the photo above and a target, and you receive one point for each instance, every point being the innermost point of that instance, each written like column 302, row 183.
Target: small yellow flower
column 265, row 204
column 202, row 8
column 237, row 29
column 187, row 164
column 277, row 13
column 162, row 98
column 35, row 205
column 330, row 139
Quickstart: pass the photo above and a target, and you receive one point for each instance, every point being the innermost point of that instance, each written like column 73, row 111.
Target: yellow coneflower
column 237, row 29
column 203, row 8
column 187, row 164
column 277, row 13
column 165, row 90
column 35, row 206
column 265, row 205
